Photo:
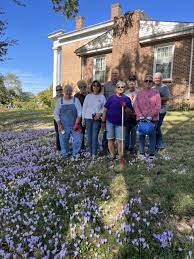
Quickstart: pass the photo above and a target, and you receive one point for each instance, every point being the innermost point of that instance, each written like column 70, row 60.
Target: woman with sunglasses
column 112, row 115
column 147, row 108
column 91, row 115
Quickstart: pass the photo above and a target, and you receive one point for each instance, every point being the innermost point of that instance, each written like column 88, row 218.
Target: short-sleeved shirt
column 164, row 92
column 114, row 107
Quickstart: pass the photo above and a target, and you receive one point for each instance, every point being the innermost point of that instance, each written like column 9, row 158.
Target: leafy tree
column 27, row 96
column 68, row 7
column 4, row 43
column 3, row 92
column 45, row 96
column 12, row 82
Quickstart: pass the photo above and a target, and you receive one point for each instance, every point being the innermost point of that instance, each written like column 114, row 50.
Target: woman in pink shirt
column 147, row 107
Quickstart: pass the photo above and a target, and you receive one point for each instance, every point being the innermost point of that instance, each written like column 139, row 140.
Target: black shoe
column 132, row 151
column 103, row 153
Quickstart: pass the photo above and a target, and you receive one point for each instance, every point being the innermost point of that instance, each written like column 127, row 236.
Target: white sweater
column 93, row 103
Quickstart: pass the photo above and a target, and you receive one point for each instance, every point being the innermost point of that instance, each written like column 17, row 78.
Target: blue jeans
column 64, row 142
column 93, row 129
column 105, row 142
column 130, row 136
column 159, row 137
column 152, row 143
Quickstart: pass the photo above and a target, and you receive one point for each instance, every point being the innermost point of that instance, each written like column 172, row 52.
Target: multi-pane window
column 163, row 60
column 99, row 70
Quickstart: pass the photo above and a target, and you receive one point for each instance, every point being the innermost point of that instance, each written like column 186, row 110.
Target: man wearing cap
column 59, row 93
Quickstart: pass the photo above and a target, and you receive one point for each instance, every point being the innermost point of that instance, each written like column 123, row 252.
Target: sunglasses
column 148, row 81
column 59, row 90
column 120, row 87
column 95, row 85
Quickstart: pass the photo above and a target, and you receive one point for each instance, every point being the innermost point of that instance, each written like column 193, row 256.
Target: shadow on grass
column 170, row 182
column 17, row 120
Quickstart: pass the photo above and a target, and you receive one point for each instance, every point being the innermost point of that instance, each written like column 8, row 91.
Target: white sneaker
column 94, row 157
column 151, row 159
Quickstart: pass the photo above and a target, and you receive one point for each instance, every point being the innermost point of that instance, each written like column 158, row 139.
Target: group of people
column 120, row 108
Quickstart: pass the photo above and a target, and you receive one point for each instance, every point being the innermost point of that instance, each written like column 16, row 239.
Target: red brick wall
column 87, row 67
column 71, row 63
column 145, row 64
column 130, row 57
column 180, row 74
column 125, row 48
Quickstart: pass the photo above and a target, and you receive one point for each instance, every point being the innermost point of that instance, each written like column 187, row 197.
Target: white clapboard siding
column 154, row 28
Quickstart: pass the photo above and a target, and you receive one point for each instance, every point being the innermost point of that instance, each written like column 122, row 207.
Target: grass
column 169, row 182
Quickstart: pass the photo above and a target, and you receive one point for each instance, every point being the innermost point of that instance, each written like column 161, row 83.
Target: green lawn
column 168, row 183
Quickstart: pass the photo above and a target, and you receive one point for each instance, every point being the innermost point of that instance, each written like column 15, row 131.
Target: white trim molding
column 57, row 68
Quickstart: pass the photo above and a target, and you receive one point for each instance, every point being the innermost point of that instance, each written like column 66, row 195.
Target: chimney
column 79, row 22
column 115, row 10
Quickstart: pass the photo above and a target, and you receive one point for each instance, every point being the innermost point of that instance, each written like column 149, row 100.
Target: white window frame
column 94, row 66
column 155, row 57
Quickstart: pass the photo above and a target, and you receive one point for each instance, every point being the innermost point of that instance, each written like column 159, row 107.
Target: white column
column 59, row 63
column 55, row 72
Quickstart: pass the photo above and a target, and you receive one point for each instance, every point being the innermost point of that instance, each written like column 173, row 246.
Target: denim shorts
column 114, row 131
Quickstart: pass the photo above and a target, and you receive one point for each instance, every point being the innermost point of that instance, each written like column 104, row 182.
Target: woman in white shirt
column 91, row 115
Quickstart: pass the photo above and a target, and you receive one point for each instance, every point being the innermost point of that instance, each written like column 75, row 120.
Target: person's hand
column 149, row 118
column 123, row 104
column 103, row 125
column 60, row 126
column 75, row 126
column 97, row 116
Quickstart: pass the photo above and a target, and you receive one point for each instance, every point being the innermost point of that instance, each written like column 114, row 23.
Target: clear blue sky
column 32, row 58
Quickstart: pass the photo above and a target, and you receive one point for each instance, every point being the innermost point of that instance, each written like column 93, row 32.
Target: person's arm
column 79, row 111
column 106, row 107
column 166, row 95
column 104, row 115
column 157, row 106
column 129, row 108
column 103, row 122
column 57, row 111
column 84, row 108
column 101, row 108
column 137, row 107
